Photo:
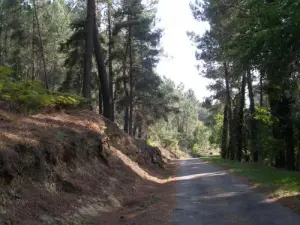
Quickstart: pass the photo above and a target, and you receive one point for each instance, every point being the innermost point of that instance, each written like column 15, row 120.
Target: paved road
column 208, row 196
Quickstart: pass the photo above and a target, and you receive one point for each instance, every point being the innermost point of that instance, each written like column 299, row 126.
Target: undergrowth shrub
column 30, row 96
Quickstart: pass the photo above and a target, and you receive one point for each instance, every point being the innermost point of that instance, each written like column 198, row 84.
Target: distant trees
column 181, row 129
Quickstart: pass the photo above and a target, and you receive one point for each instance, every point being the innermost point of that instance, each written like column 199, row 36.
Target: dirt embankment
column 76, row 168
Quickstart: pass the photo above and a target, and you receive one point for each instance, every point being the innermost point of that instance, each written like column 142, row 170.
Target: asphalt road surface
column 207, row 195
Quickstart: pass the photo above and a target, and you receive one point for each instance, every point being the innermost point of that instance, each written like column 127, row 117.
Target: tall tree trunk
column 104, row 83
column 126, row 120
column 130, row 82
column 253, row 124
column 289, row 133
column 41, row 44
column 135, row 127
column 298, row 152
column 110, row 64
column 5, row 50
column 225, row 132
column 32, row 46
column 88, row 53
column 126, row 111
column 138, row 126
column 232, row 142
column 278, row 136
column 140, row 129
column 240, row 122
column 1, row 54
column 100, row 99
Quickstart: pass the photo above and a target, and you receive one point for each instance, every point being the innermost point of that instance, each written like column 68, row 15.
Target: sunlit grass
column 280, row 183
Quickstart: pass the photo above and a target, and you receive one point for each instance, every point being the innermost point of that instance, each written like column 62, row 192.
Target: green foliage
column 150, row 143
column 216, row 126
column 195, row 149
column 20, row 41
column 29, row 95
column 182, row 129
column 263, row 115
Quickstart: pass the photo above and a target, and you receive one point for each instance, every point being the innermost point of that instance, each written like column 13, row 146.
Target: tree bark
column 232, row 142
column 100, row 99
column 289, row 133
column 135, row 127
column 1, row 54
column 277, row 129
column 138, row 126
column 126, row 112
column 126, row 120
column 253, row 124
column 128, row 23
column 41, row 45
column 110, row 65
column 104, row 83
column 298, row 152
column 240, row 122
column 4, row 52
column 130, row 82
column 88, row 53
column 140, row 129
column 32, row 46
column 225, row 132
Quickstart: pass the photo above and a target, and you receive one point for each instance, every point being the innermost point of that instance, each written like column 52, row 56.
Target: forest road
column 207, row 195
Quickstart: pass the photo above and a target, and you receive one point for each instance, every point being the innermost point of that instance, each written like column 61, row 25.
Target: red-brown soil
column 54, row 171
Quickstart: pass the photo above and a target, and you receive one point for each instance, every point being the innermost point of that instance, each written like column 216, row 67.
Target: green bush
column 196, row 150
column 30, row 96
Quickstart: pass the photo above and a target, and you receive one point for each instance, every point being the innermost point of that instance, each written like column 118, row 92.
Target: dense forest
column 102, row 56
column 97, row 55
column 251, row 55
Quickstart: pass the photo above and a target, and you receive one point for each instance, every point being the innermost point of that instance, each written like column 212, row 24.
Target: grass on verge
column 279, row 183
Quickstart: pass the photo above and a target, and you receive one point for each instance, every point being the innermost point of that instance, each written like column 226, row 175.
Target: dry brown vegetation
column 76, row 167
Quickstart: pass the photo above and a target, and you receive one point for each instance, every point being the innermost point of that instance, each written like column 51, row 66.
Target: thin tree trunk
column 140, row 129
column 100, row 100
column 41, row 44
column 135, row 127
column 298, row 152
column 232, row 142
column 130, row 82
column 110, row 65
column 138, row 126
column 253, row 132
column 126, row 112
column 32, row 46
column 103, row 78
column 224, row 132
column 4, row 48
column 241, row 120
column 126, row 120
column 277, row 131
column 1, row 54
